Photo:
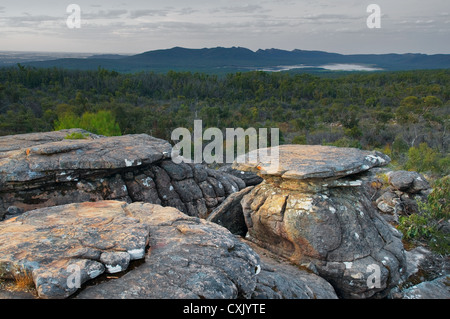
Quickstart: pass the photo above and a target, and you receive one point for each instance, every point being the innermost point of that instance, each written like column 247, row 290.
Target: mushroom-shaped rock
column 312, row 208
column 309, row 161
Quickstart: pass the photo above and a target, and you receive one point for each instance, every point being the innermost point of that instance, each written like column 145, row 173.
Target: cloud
column 104, row 14
column 27, row 20
column 134, row 14
column 248, row 8
column 187, row 11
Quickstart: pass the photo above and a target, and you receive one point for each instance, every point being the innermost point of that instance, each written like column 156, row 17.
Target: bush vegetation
column 426, row 226
column 404, row 114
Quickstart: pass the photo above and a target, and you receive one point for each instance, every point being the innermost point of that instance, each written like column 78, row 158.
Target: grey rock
column 313, row 209
column 438, row 288
column 249, row 178
column 310, row 161
column 115, row 261
column 88, row 236
column 279, row 279
column 406, row 181
column 229, row 214
column 188, row 258
column 177, row 172
column 69, row 158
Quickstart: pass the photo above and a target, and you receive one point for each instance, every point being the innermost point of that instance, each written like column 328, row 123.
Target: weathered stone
column 329, row 223
column 188, row 258
column 55, row 171
column 142, row 188
column 115, row 261
column 249, row 178
column 65, row 160
column 21, row 141
column 199, row 172
column 310, row 161
column 438, row 288
column 279, row 279
column 406, row 181
column 177, row 172
column 229, row 214
column 89, row 236
column 187, row 190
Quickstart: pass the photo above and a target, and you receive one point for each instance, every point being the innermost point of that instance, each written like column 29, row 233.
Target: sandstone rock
column 309, row 212
column 188, row 258
column 279, row 279
column 64, row 159
column 48, row 170
column 438, row 288
column 401, row 197
column 410, row 182
column 249, row 178
column 52, row 242
column 424, row 265
column 65, row 247
column 310, row 161
column 21, row 141
column 229, row 214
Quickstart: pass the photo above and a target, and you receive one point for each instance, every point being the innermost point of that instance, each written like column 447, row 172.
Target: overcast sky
column 120, row 26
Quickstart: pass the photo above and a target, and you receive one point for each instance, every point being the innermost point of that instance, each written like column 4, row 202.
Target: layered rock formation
column 112, row 215
column 46, row 169
column 312, row 208
column 64, row 247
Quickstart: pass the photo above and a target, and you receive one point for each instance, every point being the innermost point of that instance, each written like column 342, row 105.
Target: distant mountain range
column 225, row 60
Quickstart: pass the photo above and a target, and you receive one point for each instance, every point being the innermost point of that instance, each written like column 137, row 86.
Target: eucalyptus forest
column 404, row 114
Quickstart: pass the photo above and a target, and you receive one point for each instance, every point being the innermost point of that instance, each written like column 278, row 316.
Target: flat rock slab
column 55, row 158
column 438, row 288
column 20, row 141
column 65, row 246
column 302, row 162
column 188, row 258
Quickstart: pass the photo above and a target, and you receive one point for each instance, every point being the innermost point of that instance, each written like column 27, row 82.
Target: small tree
column 426, row 159
column 102, row 123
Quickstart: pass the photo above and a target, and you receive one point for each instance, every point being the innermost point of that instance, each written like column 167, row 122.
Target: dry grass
column 23, row 279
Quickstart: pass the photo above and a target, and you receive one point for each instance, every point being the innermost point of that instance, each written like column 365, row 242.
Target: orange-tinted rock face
column 315, row 209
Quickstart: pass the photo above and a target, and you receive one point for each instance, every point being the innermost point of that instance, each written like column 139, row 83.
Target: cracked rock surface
column 66, row 247
column 318, row 212
column 45, row 169
column 52, row 243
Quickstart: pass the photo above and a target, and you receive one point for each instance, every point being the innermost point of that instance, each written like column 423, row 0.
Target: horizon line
column 208, row 48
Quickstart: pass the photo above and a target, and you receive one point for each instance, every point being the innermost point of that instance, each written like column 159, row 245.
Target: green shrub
column 425, row 226
column 426, row 159
column 102, row 123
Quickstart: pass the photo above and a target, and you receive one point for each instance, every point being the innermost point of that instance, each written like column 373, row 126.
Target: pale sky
column 120, row 26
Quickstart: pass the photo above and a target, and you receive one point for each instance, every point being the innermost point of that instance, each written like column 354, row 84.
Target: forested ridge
column 404, row 114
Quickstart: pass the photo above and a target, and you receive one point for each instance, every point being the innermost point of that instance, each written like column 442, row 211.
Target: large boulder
column 51, row 243
column 152, row 251
column 401, row 197
column 312, row 208
column 48, row 169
